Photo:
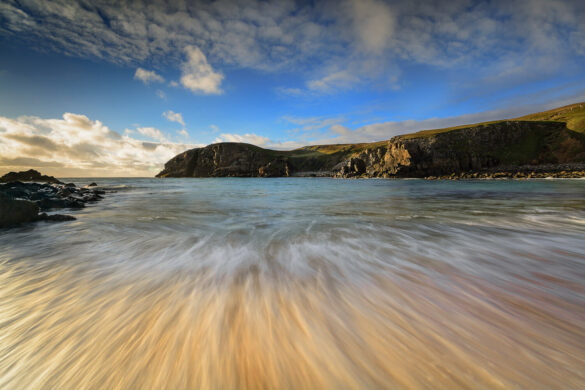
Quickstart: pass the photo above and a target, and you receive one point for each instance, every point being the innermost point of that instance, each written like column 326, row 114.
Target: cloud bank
column 76, row 145
column 333, row 44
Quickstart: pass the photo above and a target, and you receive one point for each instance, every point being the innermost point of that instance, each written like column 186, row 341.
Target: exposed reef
column 27, row 202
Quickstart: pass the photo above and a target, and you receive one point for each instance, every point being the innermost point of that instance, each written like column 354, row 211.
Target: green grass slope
column 573, row 115
column 569, row 145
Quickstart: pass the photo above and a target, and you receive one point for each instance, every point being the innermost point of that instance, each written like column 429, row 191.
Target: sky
column 103, row 88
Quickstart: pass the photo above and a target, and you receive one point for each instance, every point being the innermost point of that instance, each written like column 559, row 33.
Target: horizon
column 99, row 90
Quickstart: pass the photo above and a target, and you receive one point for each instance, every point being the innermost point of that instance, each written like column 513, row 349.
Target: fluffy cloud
column 153, row 133
column 332, row 43
column 374, row 24
column 77, row 145
column 174, row 117
column 148, row 76
column 198, row 75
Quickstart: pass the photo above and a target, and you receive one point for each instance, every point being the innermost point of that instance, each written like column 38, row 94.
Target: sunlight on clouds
column 153, row 133
column 76, row 145
column 148, row 76
column 197, row 73
column 247, row 138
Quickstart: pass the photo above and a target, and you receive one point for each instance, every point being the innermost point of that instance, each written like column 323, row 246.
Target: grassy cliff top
column 573, row 115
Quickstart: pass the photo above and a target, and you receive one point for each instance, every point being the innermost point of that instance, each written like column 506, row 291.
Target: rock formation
column 21, row 202
column 435, row 153
column 30, row 175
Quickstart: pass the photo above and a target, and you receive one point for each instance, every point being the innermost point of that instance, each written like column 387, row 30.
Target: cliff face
column 224, row 160
column 468, row 149
column 430, row 153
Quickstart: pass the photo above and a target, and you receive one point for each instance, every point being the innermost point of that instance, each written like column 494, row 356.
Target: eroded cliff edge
column 504, row 144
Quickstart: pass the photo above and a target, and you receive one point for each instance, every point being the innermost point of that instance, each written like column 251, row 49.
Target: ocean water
column 300, row 283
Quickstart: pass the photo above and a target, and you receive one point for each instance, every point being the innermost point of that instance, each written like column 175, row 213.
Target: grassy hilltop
column 552, row 137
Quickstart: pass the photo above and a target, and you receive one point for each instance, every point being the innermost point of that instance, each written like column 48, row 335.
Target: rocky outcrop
column 14, row 212
column 470, row 149
column 30, row 175
column 21, row 202
column 275, row 168
column 225, row 160
column 429, row 153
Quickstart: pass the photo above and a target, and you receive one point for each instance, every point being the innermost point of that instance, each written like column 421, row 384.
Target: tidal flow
column 300, row 284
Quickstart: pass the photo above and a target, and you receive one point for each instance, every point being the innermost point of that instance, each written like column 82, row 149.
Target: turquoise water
column 300, row 282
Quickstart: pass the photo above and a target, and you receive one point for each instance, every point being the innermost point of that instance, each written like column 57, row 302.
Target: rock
column 224, row 160
column 65, row 192
column 30, row 175
column 20, row 202
column 14, row 212
column 276, row 168
column 71, row 185
column 59, row 203
column 55, row 217
column 351, row 168
column 92, row 185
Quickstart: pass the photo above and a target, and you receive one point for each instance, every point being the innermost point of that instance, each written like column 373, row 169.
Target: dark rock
column 219, row 160
column 17, row 193
column 92, row 185
column 70, row 185
column 59, row 203
column 30, row 175
column 55, row 217
column 275, row 168
column 351, row 168
column 14, row 212
column 65, row 192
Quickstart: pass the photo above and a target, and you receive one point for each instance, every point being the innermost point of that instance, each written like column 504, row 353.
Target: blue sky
column 91, row 88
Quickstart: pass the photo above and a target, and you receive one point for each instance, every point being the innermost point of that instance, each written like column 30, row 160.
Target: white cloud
column 333, row 81
column 148, row 76
column 247, row 138
column 198, row 75
column 374, row 24
column 174, row 117
column 329, row 43
column 153, row 133
column 214, row 128
column 183, row 132
column 161, row 94
column 77, row 146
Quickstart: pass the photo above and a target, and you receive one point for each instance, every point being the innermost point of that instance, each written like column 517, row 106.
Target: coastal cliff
column 511, row 146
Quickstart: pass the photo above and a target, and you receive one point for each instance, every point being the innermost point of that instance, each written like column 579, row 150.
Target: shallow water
column 300, row 283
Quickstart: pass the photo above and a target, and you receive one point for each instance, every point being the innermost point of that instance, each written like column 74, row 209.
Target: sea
column 300, row 283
